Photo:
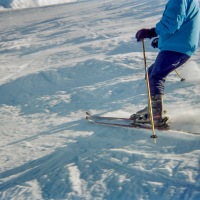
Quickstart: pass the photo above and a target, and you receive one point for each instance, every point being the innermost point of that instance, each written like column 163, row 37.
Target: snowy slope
column 58, row 62
column 20, row 4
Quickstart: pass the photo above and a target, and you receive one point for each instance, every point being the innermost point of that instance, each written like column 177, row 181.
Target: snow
column 21, row 4
column 58, row 62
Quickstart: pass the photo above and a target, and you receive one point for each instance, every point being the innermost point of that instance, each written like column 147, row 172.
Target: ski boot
column 143, row 116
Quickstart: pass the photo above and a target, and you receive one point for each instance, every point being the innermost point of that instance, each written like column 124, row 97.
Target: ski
column 118, row 124
column 125, row 119
column 127, row 123
column 121, row 122
column 97, row 117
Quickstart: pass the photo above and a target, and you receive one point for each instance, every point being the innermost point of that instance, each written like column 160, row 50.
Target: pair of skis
column 126, row 123
column 119, row 122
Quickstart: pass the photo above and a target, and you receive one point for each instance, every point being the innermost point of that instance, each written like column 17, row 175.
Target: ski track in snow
column 58, row 62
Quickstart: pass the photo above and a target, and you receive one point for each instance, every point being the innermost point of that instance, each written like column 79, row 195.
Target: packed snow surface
column 58, row 62
column 20, row 4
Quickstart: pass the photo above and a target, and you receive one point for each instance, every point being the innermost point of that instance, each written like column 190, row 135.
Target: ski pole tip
column 154, row 136
column 182, row 79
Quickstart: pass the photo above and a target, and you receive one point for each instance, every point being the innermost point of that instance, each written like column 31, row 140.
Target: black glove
column 145, row 33
column 154, row 43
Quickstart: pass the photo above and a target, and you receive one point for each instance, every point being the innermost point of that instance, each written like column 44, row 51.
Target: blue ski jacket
column 179, row 27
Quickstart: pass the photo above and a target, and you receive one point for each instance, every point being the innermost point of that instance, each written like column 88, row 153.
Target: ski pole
column 182, row 79
column 154, row 136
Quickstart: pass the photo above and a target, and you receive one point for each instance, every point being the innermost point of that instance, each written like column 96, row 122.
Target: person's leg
column 165, row 62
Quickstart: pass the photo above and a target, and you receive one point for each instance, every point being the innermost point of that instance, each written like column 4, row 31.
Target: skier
column 178, row 32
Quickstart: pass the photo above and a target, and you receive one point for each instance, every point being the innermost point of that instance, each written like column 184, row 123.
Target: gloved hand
column 145, row 33
column 154, row 43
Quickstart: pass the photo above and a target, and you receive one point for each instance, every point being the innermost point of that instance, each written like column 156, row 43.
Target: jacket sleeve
column 173, row 17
